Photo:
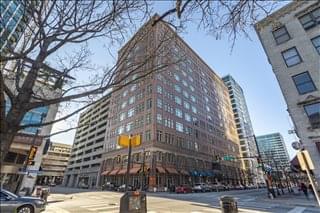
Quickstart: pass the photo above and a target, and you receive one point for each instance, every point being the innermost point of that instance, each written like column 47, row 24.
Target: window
column 148, row 135
column 123, row 105
column 159, row 103
column 184, row 83
column 159, row 135
column 291, row 57
column 125, row 93
column 177, row 100
column 149, row 89
column 311, row 19
column 192, row 88
column 187, row 117
column 176, row 77
column 133, row 88
column 130, row 112
column 177, row 88
column 159, row 118
column 194, row 109
column 159, row 89
column 186, row 105
column 185, row 94
column 313, row 112
column 316, row 43
column 149, row 103
column 179, row 127
column 178, row 113
column 304, row 83
column 122, row 116
column 129, row 126
column 132, row 99
column 148, row 118
column 281, row 35
column 193, row 99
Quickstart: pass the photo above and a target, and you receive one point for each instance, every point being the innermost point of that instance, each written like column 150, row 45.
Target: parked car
column 201, row 187
column 10, row 202
column 122, row 188
column 217, row 187
column 52, row 184
column 109, row 186
column 239, row 187
column 183, row 189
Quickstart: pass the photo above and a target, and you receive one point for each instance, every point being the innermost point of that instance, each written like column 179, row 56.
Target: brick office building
column 183, row 114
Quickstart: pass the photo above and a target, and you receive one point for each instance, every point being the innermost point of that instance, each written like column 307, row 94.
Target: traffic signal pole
column 128, row 165
column 262, row 164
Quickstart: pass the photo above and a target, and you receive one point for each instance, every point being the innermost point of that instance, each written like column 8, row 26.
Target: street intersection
column 249, row 201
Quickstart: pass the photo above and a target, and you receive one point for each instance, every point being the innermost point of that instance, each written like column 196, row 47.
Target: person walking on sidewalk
column 304, row 188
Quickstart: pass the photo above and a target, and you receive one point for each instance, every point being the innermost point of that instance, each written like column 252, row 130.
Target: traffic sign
column 228, row 158
column 124, row 140
column 305, row 160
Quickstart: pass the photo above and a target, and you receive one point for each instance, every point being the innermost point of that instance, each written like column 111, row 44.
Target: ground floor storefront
column 163, row 179
column 46, row 180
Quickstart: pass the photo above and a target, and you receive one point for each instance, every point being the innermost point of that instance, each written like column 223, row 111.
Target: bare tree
column 54, row 49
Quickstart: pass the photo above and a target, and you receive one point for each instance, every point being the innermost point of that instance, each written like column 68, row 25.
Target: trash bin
column 133, row 202
column 228, row 204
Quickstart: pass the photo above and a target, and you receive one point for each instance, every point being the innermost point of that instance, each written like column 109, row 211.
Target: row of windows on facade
column 82, row 144
column 85, row 152
column 94, row 165
column 303, row 81
column 91, row 113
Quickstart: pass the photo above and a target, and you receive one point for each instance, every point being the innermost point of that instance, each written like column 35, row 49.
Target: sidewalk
column 297, row 199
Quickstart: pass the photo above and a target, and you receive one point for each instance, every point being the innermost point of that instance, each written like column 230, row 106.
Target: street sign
column 124, row 140
column 228, row 158
column 136, row 140
column 305, row 160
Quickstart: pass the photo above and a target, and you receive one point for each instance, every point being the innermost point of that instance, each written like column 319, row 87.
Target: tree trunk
column 6, row 139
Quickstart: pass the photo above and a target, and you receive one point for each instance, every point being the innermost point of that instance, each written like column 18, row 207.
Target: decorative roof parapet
column 274, row 17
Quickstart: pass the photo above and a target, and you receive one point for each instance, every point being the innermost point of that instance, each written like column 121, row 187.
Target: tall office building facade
column 291, row 40
column 88, row 146
column 54, row 164
column 245, row 132
column 183, row 114
column 273, row 151
column 13, row 24
column 14, row 21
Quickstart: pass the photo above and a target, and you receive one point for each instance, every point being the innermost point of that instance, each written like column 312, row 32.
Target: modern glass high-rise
column 245, row 131
column 12, row 25
column 273, row 151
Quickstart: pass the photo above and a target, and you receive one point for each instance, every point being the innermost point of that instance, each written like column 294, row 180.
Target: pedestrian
column 304, row 188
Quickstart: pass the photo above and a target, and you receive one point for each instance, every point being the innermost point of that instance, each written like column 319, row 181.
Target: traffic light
column 32, row 155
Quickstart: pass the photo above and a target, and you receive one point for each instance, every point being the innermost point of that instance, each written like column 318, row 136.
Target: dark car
column 10, row 202
column 122, row 188
column 183, row 189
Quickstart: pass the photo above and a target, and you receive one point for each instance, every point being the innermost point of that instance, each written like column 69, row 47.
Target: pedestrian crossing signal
column 32, row 153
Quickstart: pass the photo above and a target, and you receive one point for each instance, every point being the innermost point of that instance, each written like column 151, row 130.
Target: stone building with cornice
column 291, row 40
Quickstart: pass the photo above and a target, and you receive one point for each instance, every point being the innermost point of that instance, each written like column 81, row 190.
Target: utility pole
column 142, row 172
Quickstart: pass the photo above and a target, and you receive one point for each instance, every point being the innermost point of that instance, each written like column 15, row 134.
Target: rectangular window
column 159, row 118
column 310, row 19
column 313, row 112
column 148, row 118
column 178, row 113
column 159, row 103
column 304, row 83
column 179, row 127
column 159, row 135
column 148, row 135
column 159, row 89
column 316, row 43
column 291, row 57
column 177, row 100
column 281, row 35
column 149, row 103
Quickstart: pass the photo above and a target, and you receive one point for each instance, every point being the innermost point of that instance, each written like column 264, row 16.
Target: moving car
column 10, row 202
column 217, row 187
column 122, row 188
column 183, row 189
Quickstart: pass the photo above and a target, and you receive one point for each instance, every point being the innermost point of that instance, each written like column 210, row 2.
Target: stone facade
column 183, row 114
column 300, row 20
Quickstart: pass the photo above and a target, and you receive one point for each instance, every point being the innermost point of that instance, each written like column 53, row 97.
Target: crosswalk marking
column 103, row 208
column 297, row 210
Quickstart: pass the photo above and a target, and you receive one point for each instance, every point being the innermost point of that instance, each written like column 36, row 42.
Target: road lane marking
column 297, row 210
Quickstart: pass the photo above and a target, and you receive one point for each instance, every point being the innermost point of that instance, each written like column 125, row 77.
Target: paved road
column 249, row 201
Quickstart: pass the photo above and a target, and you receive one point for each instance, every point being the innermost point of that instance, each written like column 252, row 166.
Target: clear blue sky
column 247, row 63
